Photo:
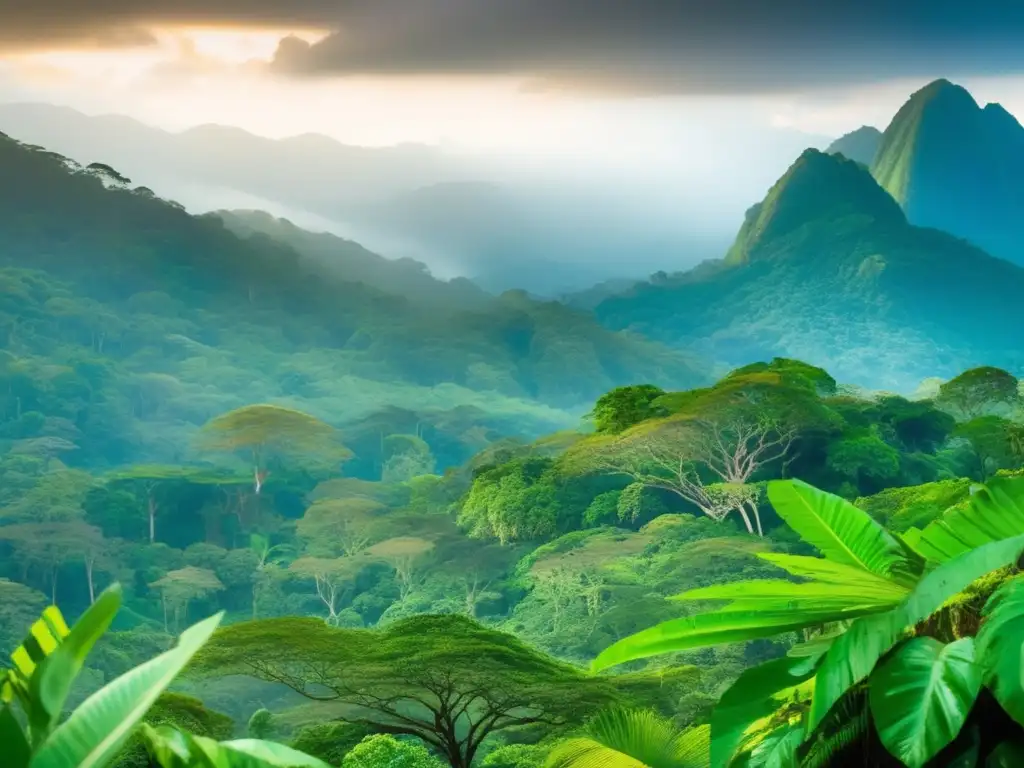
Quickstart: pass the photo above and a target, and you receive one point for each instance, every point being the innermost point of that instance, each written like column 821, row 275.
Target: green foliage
column 45, row 667
column 921, row 696
column 329, row 741
column 624, row 407
column 1001, row 645
column 402, row 676
column 384, row 751
column 899, row 509
column 978, row 392
column 626, row 738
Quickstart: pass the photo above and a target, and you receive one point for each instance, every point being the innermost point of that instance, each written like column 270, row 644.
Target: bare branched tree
column 673, row 454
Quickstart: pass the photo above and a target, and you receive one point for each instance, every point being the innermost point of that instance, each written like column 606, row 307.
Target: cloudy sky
column 513, row 74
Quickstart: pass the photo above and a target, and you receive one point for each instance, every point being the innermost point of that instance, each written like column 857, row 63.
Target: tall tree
column 445, row 679
column 265, row 432
column 180, row 587
column 403, row 554
column 335, row 527
column 979, row 392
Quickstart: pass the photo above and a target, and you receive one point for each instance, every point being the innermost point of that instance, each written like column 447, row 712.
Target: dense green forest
column 353, row 608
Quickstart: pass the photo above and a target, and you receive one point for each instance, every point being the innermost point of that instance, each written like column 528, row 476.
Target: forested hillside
column 128, row 323
column 827, row 269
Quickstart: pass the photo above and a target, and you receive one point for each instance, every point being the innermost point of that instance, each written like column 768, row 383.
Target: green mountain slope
column 125, row 323
column 956, row 166
column 826, row 269
column 860, row 145
column 354, row 263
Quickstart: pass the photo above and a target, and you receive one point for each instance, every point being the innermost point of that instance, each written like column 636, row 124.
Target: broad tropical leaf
column 994, row 512
column 853, row 656
column 778, row 750
column 1009, row 754
column 16, row 750
column 771, row 593
column 1001, row 645
column 43, row 637
column 172, row 748
column 820, row 569
column 753, row 696
column 921, row 695
column 632, row 738
column 54, row 677
column 841, row 532
column 713, row 628
column 101, row 724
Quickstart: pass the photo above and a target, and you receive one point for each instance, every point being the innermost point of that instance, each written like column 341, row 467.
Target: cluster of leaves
column 903, row 648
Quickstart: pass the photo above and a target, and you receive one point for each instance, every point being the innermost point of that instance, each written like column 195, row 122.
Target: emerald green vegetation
column 423, row 619
column 909, row 647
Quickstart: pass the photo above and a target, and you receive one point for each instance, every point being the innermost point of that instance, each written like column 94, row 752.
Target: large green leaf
column 778, row 750
column 994, row 512
column 54, row 677
column 841, row 532
column 15, row 746
column 1009, row 754
column 172, row 748
column 754, row 695
column 771, row 593
column 101, row 724
column 254, row 753
column 853, row 656
column 1001, row 645
column 632, row 738
column 712, row 628
column 921, row 695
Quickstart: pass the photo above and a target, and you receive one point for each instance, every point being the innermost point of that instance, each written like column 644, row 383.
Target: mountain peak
column 818, row 187
column 944, row 89
column 860, row 145
column 953, row 165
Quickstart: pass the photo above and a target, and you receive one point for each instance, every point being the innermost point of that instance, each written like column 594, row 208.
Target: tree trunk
column 88, row 577
column 757, row 518
column 746, row 518
column 152, row 517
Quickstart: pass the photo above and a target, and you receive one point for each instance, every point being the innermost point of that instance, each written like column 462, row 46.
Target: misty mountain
column 860, row 145
column 954, row 165
column 827, row 269
column 186, row 319
column 549, row 225
column 351, row 262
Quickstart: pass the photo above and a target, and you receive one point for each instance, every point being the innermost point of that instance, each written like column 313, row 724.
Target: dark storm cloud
column 684, row 46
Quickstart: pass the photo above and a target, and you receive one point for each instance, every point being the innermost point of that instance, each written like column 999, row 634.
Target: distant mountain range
column 954, row 165
column 503, row 222
column 827, row 269
column 860, row 145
